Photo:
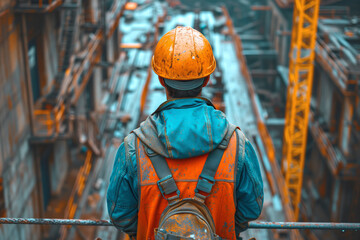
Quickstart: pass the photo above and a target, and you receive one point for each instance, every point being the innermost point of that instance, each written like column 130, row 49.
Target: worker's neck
column 168, row 97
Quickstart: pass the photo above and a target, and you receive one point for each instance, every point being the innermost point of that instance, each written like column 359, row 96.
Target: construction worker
column 184, row 130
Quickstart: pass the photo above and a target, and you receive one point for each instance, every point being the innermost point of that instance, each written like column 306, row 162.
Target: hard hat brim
column 184, row 85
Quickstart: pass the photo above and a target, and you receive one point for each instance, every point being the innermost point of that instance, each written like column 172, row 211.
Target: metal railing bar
column 255, row 224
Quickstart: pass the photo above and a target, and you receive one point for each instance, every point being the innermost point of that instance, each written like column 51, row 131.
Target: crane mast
column 301, row 69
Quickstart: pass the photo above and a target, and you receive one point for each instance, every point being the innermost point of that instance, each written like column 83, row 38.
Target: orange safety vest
column 186, row 173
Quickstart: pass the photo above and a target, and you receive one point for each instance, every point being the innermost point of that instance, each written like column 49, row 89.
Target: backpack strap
column 207, row 177
column 166, row 183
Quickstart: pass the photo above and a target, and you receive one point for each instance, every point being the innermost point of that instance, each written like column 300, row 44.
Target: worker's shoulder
column 245, row 147
column 126, row 155
column 130, row 145
column 241, row 135
column 235, row 130
column 130, row 140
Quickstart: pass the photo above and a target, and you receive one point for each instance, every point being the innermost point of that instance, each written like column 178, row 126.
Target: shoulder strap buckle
column 167, row 185
column 205, row 183
column 207, row 177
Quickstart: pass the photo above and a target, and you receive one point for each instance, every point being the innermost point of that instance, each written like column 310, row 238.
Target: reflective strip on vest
column 186, row 172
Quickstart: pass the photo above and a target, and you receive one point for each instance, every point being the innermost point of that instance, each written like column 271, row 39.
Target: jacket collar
column 182, row 102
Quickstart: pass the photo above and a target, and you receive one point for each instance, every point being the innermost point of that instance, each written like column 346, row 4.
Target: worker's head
column 183, row 60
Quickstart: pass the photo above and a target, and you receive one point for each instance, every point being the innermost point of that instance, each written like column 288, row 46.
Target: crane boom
column 301, row 69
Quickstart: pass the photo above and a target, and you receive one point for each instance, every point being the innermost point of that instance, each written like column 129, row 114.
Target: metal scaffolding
column 301, row 69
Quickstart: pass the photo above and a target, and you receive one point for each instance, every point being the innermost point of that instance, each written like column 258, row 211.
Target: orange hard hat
column 183, row 54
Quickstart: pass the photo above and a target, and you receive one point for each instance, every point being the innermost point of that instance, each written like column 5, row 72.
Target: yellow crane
column 301, row 69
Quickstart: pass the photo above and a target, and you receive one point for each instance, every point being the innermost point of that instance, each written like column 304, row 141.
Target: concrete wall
column 13, row 102
column 19, row 184
column 16, row 157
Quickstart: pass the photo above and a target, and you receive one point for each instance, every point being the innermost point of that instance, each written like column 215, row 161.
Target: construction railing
column 48, row 121
column 255, row 224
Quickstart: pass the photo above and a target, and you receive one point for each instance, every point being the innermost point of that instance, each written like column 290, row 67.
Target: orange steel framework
column 301, row 71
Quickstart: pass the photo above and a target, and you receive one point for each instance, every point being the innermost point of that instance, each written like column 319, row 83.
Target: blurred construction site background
column 75, row 78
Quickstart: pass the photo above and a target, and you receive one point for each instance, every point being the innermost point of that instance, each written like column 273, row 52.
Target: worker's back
column 184, row 130
column 187, row 142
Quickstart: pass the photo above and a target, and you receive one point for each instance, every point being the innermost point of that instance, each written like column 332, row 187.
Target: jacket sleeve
column 122, row 195
column 249, row 187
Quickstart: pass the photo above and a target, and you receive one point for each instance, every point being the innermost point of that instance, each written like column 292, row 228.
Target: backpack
column 187, row 218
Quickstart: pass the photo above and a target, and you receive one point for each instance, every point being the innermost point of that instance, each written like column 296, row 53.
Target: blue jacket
column 181, row 128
